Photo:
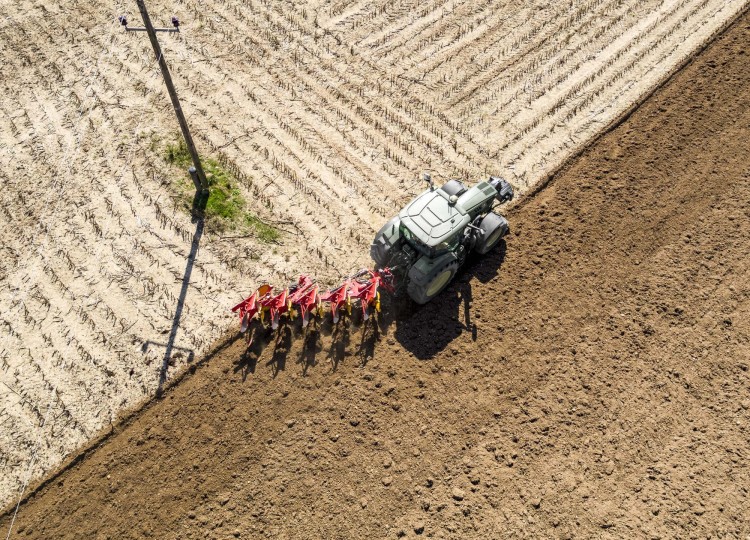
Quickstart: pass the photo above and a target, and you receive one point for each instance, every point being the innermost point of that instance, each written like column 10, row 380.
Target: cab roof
column 432, row 219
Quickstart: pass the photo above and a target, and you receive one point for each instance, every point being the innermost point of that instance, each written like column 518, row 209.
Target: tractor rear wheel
column 439, row 280
column 494, row 227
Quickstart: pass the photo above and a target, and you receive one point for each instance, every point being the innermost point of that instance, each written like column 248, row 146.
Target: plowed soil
column 589, row 378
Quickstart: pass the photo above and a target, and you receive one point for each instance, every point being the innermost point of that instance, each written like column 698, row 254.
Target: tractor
column 429, row 239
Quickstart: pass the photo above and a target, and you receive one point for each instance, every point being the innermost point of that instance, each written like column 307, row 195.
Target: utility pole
column 199, row 177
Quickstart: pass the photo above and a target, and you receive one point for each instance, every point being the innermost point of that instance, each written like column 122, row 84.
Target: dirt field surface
column 589, row 379
column 324, row 113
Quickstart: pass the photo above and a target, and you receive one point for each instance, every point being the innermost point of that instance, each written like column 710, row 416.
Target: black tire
column 437, row 282
column 454, row 187
column 380, row 249
column 494, row 227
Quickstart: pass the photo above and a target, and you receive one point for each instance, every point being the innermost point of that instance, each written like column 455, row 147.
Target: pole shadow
column 199, row 206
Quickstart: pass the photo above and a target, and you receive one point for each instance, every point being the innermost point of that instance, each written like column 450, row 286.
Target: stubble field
column 325, row 114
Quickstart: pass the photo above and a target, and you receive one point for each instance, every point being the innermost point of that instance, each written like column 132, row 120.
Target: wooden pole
column 173, row 96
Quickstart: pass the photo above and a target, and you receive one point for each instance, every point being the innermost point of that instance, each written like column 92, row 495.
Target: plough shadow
column 424, row 331
column 258, row 339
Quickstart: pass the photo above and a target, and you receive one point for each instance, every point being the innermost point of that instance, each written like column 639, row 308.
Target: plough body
column 305, row 299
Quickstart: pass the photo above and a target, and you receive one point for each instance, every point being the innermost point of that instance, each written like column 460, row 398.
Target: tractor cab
column 449, row 244
column 432, row 223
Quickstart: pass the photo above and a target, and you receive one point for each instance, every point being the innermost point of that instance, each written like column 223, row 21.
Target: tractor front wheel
column 493, row 227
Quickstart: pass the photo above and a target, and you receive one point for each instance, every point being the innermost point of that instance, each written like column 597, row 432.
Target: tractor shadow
column 427, row 330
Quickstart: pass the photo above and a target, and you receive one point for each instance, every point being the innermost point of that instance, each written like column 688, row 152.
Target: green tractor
column 430, row 238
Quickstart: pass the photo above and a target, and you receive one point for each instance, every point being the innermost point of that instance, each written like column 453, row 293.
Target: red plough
column 366, row 289
column 277, row 305
column 304, row 298
column 251, row 306
column 338, row 298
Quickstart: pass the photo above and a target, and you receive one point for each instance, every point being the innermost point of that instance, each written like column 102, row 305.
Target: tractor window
column 414, row 241
column 443, row 247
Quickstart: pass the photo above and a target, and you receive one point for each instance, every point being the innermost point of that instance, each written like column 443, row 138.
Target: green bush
column 226, row 208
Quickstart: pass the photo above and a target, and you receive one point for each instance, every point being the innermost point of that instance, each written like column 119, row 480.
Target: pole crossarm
column 143, row 29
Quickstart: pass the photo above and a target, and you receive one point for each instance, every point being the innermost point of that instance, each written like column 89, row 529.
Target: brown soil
column 588, row 379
